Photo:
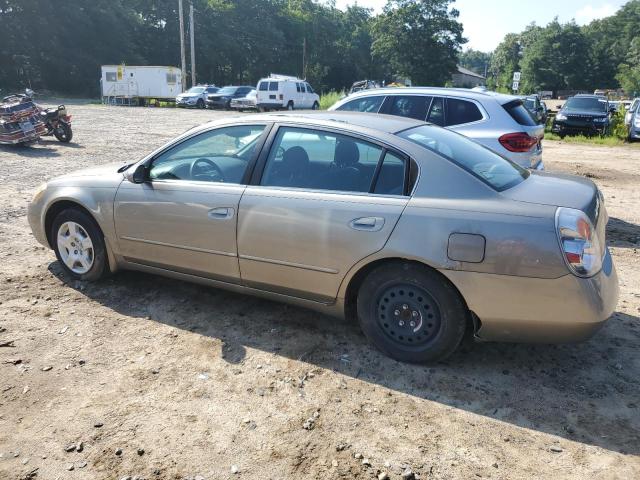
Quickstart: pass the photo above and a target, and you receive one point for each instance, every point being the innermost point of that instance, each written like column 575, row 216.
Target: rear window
column 519, row 113
column 364, row 104
column 263, row 87
column 478, row 160
column 461, row 111
column 273, row 86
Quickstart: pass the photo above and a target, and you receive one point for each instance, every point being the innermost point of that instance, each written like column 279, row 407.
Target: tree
column 556, row 57
column 475, row 60
column 629, row 72
column 420, row 39
column 504, row 61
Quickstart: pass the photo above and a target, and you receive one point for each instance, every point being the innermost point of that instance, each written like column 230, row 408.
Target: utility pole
column 182, row 53
column 193, row 46
column 304, row 58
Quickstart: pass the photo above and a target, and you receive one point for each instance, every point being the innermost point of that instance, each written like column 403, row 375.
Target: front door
column 184, row 217
column 317, row 211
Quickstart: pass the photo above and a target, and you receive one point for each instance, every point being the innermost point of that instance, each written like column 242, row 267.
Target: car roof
column 383, row 123
column 373, row 124
column 450, row 92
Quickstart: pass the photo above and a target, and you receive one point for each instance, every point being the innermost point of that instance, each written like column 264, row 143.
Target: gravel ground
column 150, row 377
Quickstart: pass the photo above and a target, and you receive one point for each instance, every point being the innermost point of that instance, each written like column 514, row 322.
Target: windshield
column 227, row 90
column 598, row 105
column 486, row 165
column 196, row 90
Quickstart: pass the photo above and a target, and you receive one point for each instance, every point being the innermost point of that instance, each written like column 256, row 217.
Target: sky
column 486, row 22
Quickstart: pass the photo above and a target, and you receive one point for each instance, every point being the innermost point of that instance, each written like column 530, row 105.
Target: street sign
column 516, row 77
column 515, row 86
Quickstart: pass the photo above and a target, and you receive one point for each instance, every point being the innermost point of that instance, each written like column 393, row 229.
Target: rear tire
column 79, row 245
column 411, row 313
column 290, row 105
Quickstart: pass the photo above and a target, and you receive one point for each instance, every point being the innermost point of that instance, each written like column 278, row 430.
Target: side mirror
column 139, row 175
column 558, row 107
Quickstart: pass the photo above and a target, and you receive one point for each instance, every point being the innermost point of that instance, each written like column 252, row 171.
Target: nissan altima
column 419, row 233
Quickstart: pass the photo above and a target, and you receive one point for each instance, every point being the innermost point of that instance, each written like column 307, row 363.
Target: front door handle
column 369, row 224
column 221, row 213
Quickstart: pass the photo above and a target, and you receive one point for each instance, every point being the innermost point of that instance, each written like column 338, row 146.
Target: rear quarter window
column 519, row 113
column 462, row 111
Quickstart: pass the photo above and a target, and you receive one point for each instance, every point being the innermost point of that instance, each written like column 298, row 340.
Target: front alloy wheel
column 79, row 244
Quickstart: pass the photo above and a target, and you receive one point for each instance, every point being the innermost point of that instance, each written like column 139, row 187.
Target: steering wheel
column 214, row 170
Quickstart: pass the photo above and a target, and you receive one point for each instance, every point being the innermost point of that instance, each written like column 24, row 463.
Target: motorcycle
column 20, row 120
column 55, row 120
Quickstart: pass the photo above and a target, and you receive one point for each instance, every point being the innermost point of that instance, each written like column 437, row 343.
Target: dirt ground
column 155, row 378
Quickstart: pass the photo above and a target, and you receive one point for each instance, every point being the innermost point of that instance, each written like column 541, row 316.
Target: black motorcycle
column 57, row 122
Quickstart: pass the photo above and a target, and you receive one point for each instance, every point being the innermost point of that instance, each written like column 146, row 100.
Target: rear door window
column 413, row 106
column 436, row 112
column 462, row 111
column 519, row 113
column 364, row 104
column 263, row 87
column 273, row 86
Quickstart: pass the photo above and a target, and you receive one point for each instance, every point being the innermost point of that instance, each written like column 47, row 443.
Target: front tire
column 63, row 132
column 200, row 103
column 411, row 313
column 79, row 245
column 315, row 106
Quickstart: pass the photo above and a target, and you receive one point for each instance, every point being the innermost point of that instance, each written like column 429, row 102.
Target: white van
column 280, row 91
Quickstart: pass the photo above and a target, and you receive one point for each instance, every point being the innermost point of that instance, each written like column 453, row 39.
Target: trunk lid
column 560, row 191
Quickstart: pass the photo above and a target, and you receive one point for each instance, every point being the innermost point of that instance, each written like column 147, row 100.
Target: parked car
column 536, row 107
column 195, row 96
column 633, row 108
column 222, row 98
column 363, row 85
column 247, row 102
column 583, row 115
column 279, row 92
column 634, row 126
column 421, row 234
column 500, row 122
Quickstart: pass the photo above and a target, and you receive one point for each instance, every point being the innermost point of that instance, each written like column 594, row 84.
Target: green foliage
column 618, row 129
column 475, row 60
column 505, row 61
column 629, row 71
column 419, row 39
column 329, row 98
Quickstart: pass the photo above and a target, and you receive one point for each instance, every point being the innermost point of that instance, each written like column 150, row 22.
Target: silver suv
column 498, row 121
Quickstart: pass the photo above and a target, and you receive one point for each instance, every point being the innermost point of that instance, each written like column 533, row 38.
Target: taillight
column 518, row 142
column 281, row 96
column 579, row 242
column 67, row 118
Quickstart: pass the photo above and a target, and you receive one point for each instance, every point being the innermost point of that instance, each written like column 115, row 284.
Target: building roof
column 466, row 71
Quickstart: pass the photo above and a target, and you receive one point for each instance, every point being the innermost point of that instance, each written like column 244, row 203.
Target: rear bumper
column 519, row 309
column 272, row 105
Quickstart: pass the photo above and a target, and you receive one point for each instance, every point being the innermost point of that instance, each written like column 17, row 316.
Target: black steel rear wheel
column 411, row 313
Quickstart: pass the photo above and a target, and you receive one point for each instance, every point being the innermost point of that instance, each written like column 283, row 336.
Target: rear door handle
column 369, row 224
column 221, row 213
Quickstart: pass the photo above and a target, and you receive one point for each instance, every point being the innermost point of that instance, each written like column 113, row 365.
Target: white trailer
column 131, row 85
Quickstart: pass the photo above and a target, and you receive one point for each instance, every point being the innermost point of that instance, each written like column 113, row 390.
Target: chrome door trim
column 289, row 264
column 182, row 247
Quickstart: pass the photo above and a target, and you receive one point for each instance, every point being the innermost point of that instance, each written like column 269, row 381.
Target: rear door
column 320, row 202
